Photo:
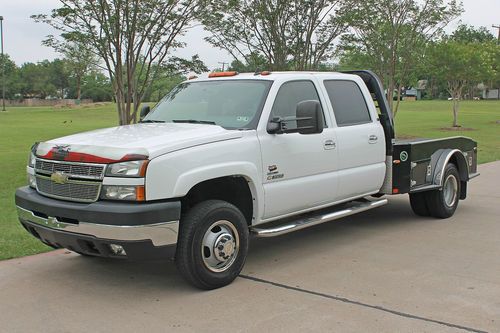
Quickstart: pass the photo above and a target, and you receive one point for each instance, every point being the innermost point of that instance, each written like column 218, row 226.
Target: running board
column 309, row 221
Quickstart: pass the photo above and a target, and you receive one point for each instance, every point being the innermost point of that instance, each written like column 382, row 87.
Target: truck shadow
column 162, row 275
column 349, row 231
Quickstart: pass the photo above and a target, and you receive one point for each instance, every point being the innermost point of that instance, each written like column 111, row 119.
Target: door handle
column 329, row 144
column 372, row 139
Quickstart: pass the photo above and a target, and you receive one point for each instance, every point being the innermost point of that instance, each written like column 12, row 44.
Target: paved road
column 382, row 271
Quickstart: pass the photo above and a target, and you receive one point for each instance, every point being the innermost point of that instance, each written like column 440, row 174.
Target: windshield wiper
column 151, row 121
column 194, row 121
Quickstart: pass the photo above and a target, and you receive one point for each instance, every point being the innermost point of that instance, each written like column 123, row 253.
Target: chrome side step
column 311, row 220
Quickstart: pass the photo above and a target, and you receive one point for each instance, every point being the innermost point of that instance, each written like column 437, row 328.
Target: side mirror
column 144, row 111
column 309, row 117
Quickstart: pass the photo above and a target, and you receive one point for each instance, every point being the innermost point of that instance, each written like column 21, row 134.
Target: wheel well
column 233, row 189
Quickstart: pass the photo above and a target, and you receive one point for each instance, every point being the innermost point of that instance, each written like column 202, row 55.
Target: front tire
column 212, row 245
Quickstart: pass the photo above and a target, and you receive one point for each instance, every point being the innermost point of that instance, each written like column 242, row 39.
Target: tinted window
column 348, row 103
column 289, row 95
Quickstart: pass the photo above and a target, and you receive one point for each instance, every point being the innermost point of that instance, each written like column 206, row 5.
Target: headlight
column 123, row 192
column 31, row 160
column 127, row 169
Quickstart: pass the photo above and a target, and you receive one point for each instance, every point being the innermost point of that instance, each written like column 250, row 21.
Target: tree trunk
column 390, row 93
column 396, row 108
column 456, row 105
column 78, row 87
column 455, row 89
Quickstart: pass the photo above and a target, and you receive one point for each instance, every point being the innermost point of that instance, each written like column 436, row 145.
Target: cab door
column 360, row 138
column 299, row 170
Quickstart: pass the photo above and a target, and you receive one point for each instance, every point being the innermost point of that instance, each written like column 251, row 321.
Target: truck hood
column 132, row 142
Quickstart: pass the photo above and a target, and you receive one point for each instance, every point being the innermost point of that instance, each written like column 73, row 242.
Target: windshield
column 232, row 104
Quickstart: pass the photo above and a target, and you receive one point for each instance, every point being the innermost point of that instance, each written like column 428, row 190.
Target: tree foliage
column 459, row 64
column 297, row 34
column 11, row 74
column 80, row 58
column 130, row 37
column 389, row 36
column 469, row 34
column 169, row 75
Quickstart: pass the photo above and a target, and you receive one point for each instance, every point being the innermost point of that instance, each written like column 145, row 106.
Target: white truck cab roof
column 273, row 76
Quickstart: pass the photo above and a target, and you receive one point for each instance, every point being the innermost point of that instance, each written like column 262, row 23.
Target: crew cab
column 222, row 158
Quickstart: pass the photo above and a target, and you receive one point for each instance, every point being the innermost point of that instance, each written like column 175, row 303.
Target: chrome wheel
column 450, row 190
column 220, row 246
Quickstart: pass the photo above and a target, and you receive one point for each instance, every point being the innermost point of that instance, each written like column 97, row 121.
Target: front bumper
column 145, row 230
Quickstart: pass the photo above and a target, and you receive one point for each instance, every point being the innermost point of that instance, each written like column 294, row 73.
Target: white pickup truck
column 234, row 155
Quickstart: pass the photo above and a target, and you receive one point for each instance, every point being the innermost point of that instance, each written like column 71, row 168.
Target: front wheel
column 212, row 245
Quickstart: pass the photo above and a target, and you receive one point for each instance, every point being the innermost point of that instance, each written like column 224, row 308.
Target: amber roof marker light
column 222, row 74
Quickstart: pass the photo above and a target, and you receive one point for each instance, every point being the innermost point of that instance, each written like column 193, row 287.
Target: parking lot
column 384, row 270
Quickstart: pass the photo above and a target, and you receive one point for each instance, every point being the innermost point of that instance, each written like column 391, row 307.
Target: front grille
column 81, row 170
column 74, row 190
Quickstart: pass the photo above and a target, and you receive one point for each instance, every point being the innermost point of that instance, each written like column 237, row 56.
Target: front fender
column 189, row 179
column 172, row 175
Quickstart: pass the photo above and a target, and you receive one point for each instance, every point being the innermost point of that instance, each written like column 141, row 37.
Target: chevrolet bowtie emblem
column 59, row 177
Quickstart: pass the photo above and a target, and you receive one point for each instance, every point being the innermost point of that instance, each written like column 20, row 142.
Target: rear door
column 298, row 170
column 360, row 138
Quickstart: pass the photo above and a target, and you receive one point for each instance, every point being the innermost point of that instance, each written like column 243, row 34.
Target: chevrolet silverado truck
column 221, row 158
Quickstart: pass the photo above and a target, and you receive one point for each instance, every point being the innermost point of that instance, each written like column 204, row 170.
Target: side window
column 348, row 102
column 289, row 95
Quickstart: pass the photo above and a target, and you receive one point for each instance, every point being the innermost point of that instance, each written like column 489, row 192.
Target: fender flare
column 188, row 180
column 441, row 158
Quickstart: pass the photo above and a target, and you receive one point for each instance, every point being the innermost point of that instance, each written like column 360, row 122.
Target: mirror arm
column 277, row 125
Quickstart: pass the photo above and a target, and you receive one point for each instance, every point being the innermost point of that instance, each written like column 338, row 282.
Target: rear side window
column 289, row 95
column 348, row 103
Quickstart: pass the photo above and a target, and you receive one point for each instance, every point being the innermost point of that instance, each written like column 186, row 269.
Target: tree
column 80, row 58
column 96, row 86
column 252, row 63
column 297, row 34
column 37, row 80
column 130, row 36
column 459, row 64
column 58, row 73
column 12, row 83
column 170, row 74
column 391, row 35
column 469, row 34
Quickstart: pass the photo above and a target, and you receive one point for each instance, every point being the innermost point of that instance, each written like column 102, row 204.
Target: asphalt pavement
column 385, row 270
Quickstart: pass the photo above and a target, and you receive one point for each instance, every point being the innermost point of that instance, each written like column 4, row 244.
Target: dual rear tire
column 440, row 203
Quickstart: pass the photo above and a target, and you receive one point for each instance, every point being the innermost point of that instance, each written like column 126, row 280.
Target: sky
column 23, row 36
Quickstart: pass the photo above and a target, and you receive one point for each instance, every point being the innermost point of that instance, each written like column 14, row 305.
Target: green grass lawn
column 21, row 127
column 427, row 118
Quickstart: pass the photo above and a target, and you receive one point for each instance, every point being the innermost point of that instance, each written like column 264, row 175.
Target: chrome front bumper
column 160, row 234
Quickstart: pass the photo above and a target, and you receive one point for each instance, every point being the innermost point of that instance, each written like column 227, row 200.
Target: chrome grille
column 74, row 190
column 79, row 170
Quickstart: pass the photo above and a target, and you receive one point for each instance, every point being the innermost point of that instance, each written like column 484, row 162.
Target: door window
column 290, row 94
column 348, row 102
